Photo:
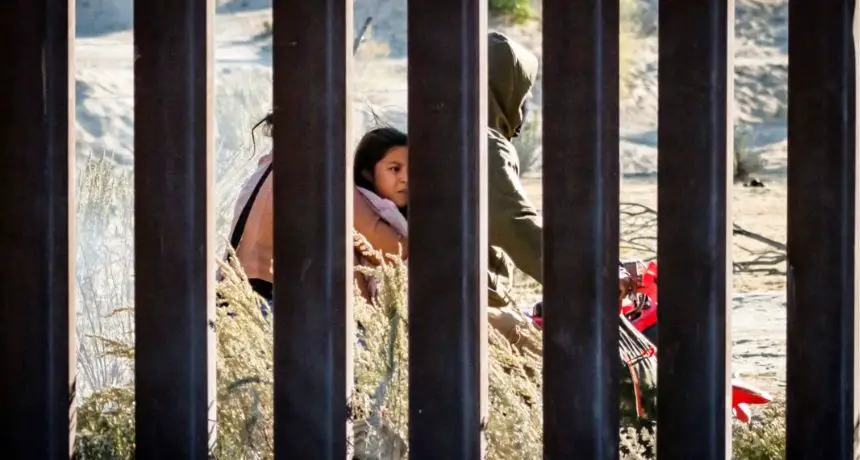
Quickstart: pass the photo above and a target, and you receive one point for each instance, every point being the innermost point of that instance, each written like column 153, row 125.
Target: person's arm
column 515, row 225
column 376, row 230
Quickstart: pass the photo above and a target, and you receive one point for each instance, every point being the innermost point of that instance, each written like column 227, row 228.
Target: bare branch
column 639, row 236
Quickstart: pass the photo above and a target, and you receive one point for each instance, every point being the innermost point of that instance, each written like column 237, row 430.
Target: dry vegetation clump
column 103, row 276
column 380, row 401
column 244, row 378
column 104, row 272
column 764, row 437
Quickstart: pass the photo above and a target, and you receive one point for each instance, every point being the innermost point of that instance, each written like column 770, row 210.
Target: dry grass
column 380, row 401
column 244, row 376
column 105, row 258
column 104, row 278
column 764, row 437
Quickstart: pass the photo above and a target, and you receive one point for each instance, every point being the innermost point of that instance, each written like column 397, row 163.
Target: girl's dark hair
column 266, row 123
column 371, row 149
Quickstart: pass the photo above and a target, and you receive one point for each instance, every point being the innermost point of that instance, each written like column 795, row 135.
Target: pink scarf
column 388, row 211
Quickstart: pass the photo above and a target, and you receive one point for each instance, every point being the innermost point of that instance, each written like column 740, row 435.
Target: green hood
column 512, row 71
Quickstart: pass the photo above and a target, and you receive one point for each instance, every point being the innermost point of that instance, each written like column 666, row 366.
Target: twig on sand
column 639, row 236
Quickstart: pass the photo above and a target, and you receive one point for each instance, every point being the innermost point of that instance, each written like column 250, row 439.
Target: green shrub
column 519, row 10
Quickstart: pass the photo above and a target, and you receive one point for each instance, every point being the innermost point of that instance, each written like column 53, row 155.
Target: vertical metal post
column 174, row 221
column 694, row 228
column 822, row 231
column 581, row 182
column 448, row 222
column 313, row 212
column 37, row 334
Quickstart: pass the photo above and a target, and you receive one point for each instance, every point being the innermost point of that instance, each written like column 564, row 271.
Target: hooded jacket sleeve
column 515, row 225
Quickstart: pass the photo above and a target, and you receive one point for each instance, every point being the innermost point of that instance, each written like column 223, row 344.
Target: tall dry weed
column 104, row 275
column 379, row 405
column 104, row 269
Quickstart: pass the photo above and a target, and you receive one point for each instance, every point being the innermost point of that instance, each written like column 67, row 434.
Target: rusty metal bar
column 174, row 269
column 580, row 180
column 448, row 221
column 313, row 211
column 822, row 232
column 37, row 334
column 693, row 231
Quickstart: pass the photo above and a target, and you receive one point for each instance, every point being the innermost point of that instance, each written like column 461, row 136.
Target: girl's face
column 390, row 176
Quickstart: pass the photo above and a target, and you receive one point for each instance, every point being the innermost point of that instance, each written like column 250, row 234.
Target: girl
column 381, row 196
column 379, row 208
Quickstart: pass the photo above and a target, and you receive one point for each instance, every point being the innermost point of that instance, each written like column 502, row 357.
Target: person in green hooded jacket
column 516, row 228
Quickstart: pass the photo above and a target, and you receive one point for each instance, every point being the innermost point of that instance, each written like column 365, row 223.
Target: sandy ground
column 759, row 210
